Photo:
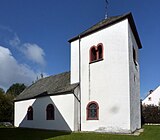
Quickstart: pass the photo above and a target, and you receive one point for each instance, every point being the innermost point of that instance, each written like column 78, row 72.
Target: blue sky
column 34, row 36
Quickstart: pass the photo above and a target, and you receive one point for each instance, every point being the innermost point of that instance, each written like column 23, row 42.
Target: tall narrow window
column 92, row 111
column 93, row 54
column 134, row 56
column 50, row 112
column 30, row 113
column 100, row 51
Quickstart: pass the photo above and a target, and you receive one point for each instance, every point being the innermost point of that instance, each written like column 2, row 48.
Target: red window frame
column 98, row 53
column 88, row 111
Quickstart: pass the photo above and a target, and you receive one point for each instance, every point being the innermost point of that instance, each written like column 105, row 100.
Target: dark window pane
column 100, row 56
column 92, row 111
column 93, row 54
column 134, row 56
column 30, row 113
column 50, row 112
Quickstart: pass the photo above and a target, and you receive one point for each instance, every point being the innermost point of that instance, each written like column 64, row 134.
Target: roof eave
column 39, row 96
column 131, row 21
column 134, row 30
column 71, row 91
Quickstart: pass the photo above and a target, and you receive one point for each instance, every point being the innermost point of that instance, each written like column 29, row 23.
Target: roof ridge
column 148, row 93
column 109, row 22
column 43, row 79
column 103, row 20
column 56, row 74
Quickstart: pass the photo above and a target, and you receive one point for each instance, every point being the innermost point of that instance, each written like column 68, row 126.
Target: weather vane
column 106, row 8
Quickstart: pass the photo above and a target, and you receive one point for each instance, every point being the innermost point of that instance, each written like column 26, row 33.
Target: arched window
column 50, row 112
column 30, row 113
column 96, row 53
column 93, row 54
column 100, row 51
column 92, row 111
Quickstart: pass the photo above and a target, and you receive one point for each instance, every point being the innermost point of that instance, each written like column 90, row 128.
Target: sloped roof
column 52, row 85
column 108, row 22
column 151, row 92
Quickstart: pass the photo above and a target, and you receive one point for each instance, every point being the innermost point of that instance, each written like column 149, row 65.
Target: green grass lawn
column 150, row 133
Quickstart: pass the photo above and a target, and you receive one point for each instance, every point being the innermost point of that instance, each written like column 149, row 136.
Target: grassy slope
column 150, row 133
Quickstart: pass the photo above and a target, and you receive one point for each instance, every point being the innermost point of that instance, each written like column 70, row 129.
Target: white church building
column 101, row 93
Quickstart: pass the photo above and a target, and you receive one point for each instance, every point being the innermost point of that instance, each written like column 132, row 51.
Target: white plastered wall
column 64, row 113
column 107, row 81
column 75, row 62
column 135, row 113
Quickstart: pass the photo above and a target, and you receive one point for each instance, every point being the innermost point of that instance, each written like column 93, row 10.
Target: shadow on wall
column 39, row 117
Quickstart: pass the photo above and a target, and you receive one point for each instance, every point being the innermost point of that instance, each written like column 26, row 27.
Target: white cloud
column 32, row 52
column 15, row 41
column 12, row 72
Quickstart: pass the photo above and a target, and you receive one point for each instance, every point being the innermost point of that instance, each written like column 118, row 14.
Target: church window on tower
column 134, row 56
column 96, row 53
column 93, row 54
column 100, row 51
column 92, row 111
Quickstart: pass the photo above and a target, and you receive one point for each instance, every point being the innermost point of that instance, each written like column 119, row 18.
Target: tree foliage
column 6, row 101
column 6, row 107
column 16, row 89
column 2, row 91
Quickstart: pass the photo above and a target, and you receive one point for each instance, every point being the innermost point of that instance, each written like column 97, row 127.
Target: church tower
column 104, row 61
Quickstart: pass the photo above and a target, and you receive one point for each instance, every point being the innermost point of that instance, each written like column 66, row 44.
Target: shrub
column 150, row 114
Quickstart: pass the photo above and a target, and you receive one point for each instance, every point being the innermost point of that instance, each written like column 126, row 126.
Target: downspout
column 80, row 79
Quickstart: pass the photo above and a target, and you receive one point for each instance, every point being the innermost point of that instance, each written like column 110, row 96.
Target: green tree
column 6, row 101
column 2, row 91
column 6, row 107
column 15, row 89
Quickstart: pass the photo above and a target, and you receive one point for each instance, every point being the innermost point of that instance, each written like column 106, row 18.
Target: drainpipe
column 80, row 78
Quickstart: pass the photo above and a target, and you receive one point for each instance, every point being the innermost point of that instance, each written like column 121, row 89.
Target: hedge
column 150, row 114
